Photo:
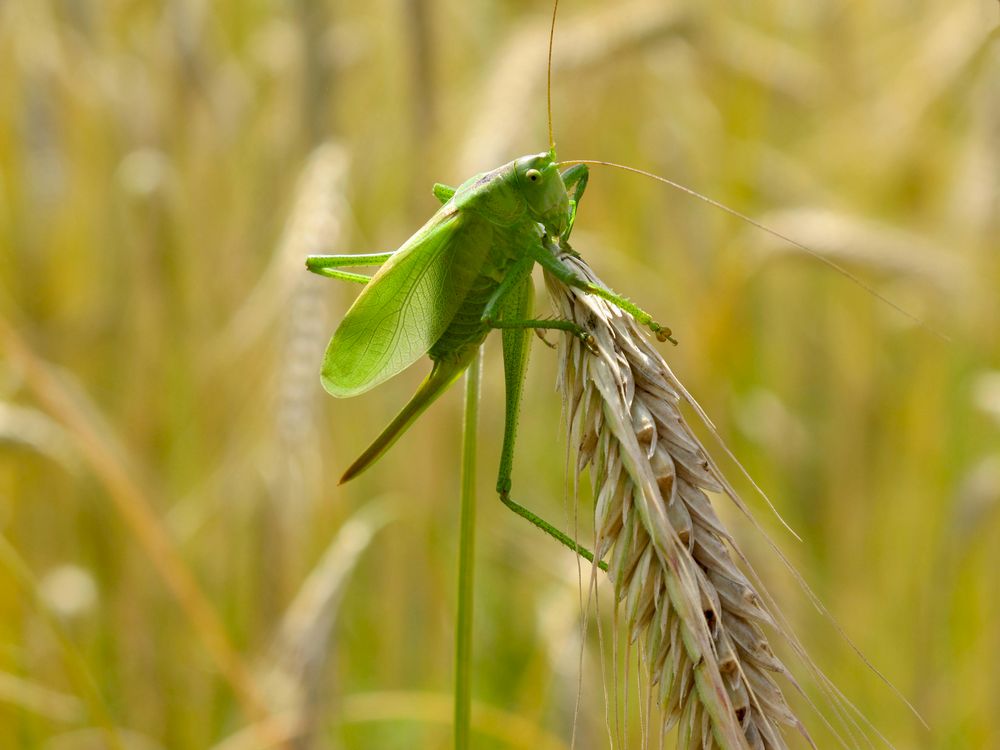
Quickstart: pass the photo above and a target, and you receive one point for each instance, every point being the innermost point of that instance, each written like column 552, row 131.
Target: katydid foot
column 551, row 530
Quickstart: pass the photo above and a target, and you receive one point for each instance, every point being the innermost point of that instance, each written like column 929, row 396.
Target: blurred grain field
column 178, row 568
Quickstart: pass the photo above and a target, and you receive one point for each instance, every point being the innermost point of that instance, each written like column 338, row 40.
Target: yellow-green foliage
column 160, row 346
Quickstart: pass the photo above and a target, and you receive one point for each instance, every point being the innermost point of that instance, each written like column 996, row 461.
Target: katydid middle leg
column 329, row 265
column 516, row 276
column 516, row 306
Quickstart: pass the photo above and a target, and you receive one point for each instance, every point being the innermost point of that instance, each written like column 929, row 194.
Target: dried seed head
column 671, row 561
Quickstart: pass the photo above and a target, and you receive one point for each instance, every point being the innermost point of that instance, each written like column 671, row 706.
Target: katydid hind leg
column 516, row 347
column 442, row 375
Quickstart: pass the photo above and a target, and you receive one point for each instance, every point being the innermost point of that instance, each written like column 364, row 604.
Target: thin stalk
column 466, row 553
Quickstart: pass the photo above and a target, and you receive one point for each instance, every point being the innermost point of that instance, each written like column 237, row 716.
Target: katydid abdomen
column 481, row 270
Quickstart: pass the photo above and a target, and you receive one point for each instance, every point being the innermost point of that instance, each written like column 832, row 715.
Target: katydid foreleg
column 515, row 306
column 547, row 259
column 329, row 265
column 575, row 177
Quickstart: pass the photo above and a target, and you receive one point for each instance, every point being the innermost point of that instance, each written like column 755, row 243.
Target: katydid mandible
column 466, row 272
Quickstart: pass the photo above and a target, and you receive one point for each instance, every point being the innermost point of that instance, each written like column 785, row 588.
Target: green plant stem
column 466, row 554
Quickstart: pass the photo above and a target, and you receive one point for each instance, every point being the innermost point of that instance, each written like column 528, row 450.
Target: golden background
column 168, row 461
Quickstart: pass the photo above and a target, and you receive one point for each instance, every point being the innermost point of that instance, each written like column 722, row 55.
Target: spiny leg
column 546, row 257
column 516, row 304
column 551, row 530
column 551, row 324
column 328, row 265
column 515, row 277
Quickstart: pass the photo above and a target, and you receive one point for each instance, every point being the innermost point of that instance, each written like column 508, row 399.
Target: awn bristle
column 695, row 615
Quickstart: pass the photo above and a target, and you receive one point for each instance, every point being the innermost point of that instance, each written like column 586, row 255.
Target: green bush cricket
column 466, row 272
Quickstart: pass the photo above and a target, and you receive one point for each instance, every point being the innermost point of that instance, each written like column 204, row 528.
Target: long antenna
column 548, row 75
column 805, row 248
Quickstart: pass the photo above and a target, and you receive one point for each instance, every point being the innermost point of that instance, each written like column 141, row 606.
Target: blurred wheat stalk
column 695, row 615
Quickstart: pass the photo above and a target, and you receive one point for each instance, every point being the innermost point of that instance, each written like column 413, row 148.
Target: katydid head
column 543, row 190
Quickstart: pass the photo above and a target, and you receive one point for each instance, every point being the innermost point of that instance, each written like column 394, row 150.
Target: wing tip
column 337, row 389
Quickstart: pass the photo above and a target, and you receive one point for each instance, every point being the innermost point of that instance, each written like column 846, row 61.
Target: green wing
column 408, row 304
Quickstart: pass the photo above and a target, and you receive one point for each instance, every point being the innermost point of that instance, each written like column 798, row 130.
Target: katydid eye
column 533, row 174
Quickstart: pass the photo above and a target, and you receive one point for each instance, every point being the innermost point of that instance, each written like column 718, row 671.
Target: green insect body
column 466, row 272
